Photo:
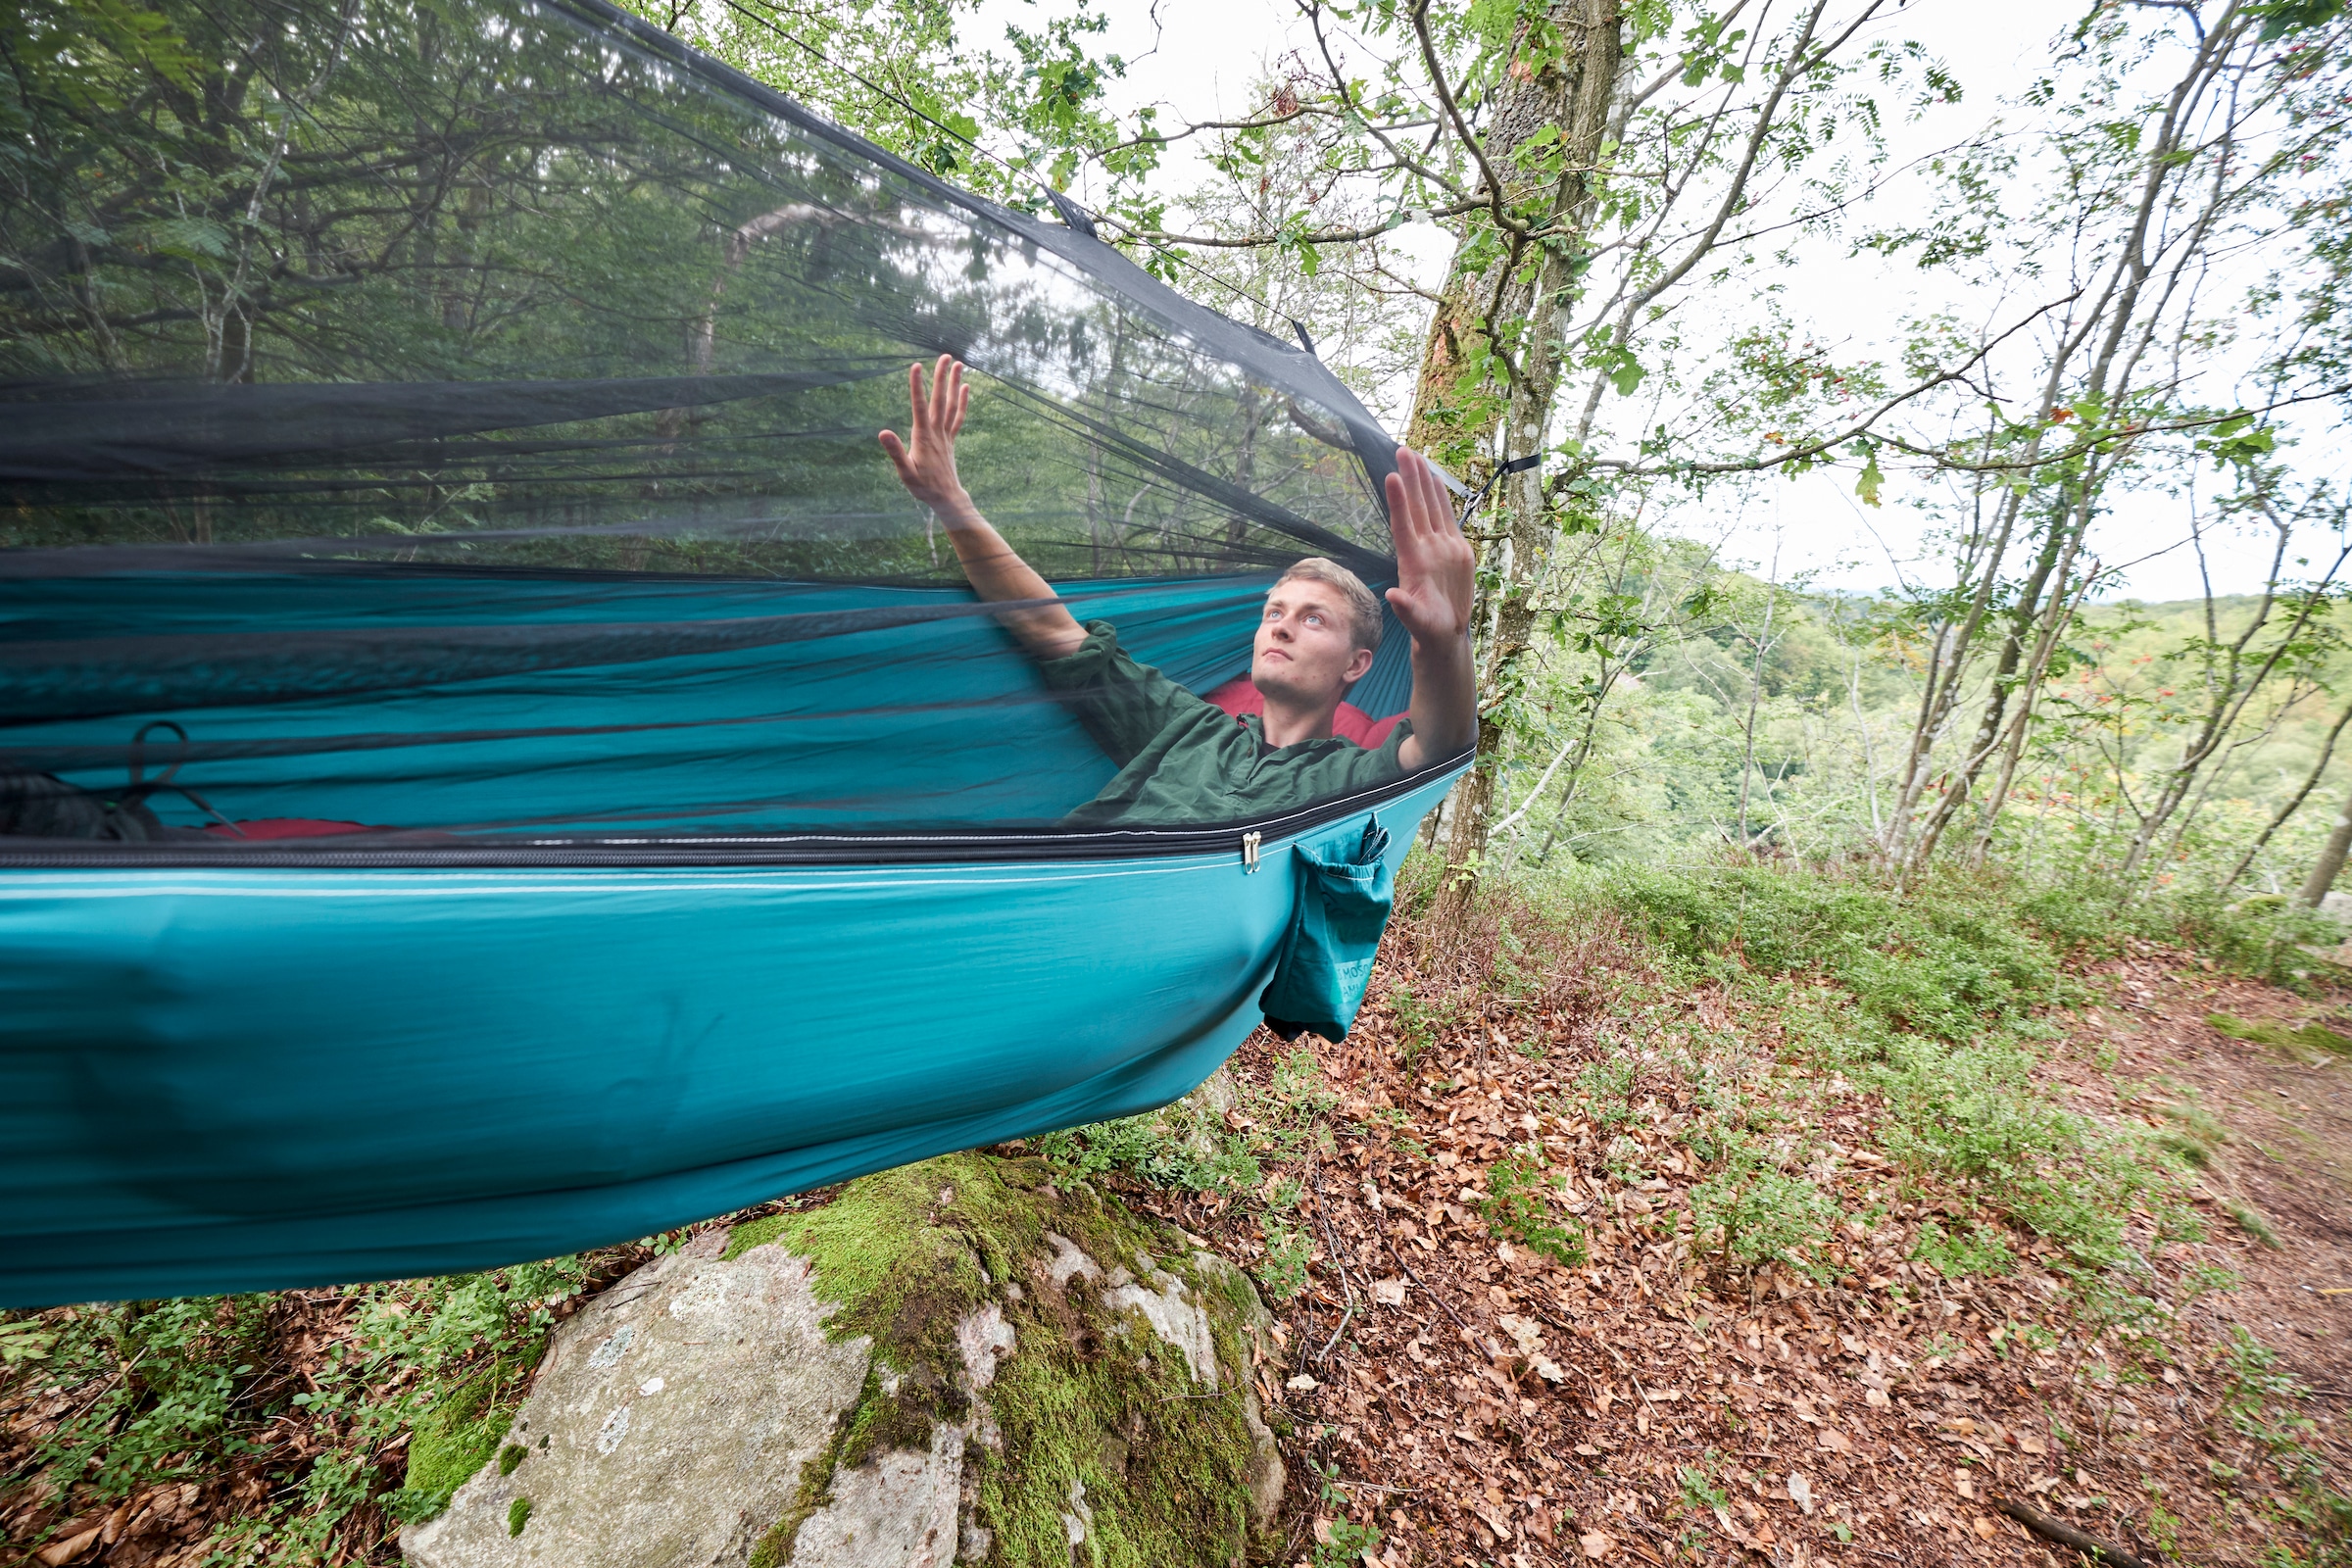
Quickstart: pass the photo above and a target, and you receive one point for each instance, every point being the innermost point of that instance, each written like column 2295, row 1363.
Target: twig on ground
column 1586, row 1376
column 1381, row 1231
column 1296, row 1525
column 2066, row 1534
column 1324, row 1353
column 1331, row 1245
column 1604, row 1344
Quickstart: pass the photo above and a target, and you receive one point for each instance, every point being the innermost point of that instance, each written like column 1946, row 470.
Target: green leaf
column 2234, row 440
column 23, row 1341
column 1625, row 372
column 1867, row 486
column 2282, row 16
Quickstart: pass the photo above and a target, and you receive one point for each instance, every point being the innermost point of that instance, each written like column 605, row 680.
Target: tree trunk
column 2293, row 802
column 2056, row 556
column 2331, row 859
column 1755, row 699
column 1521, row 320
column 1949, row 658
column 2236, row 690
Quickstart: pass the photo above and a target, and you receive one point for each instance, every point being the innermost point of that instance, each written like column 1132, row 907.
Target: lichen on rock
column 1095, row 1367
column 964, row 1360
column 685, row 1396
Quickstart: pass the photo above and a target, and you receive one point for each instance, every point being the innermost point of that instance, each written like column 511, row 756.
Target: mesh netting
column 457, row 418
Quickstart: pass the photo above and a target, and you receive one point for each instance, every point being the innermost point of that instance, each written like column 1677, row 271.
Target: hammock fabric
column 496, row 763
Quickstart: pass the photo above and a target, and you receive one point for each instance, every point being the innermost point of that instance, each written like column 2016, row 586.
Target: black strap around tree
column 1479, row 496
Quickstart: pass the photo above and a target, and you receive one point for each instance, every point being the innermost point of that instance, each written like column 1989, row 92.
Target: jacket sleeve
column 1121, row 703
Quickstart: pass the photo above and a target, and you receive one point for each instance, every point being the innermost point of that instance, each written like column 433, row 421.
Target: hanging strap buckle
column 1515, row 466
column 1249, row 843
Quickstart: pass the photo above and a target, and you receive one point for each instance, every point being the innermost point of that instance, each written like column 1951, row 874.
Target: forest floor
column 1475, row 1400
column 1713, row 1217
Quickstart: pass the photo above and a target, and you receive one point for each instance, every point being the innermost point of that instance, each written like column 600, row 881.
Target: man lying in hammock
column 1182, row 760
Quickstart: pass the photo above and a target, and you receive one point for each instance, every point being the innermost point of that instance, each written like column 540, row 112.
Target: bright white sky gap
column 1198, row 59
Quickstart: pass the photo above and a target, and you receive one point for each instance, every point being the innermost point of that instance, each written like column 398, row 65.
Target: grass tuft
column 2250, row 1220
column 2312, row 1044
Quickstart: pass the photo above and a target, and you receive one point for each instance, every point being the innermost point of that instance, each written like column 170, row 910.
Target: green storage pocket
column 1326, row 961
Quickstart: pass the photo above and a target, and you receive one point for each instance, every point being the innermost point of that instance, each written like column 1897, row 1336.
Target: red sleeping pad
column 289, row 827
column 1238, row 697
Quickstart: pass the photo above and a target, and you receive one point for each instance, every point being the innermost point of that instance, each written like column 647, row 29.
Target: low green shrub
column 1946, row 962
column 1281, row 1271
column 1514, row 1209
column 195, row 1389
column 2251, row 1220
column 1749, row 1211
column 1181, row 1146
column 1929, row 1000
column 1340, row 1542
column 1419, row 1023
column 1189, row 1145
column 1972, row 1248
column 2268, row 938
column 172, row 1390
column 2195, row 1135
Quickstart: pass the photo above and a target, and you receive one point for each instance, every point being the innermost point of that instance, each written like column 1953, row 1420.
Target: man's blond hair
column 1363, row 610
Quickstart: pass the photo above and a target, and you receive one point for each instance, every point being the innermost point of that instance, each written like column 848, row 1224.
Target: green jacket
column 1186, row 763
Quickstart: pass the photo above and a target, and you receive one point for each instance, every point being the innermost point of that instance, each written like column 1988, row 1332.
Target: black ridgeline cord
column 1061, row 204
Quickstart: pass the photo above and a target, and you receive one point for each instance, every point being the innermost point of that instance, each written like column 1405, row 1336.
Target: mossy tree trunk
column 1492, row 365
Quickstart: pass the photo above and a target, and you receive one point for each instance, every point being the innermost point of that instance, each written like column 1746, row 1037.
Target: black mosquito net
column 456, row 418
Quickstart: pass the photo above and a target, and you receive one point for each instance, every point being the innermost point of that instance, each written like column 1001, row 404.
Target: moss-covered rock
column 955, row 1362
column 668, row 1422
column 456, row 1434
column 1093, row 1369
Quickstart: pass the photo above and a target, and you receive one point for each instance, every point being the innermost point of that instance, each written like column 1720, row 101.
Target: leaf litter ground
column 1476, row 1402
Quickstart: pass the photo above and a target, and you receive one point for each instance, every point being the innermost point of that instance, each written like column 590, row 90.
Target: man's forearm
column 1444, row 702
column 998, row 573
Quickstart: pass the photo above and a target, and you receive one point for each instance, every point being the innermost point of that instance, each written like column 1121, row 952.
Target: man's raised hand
column 926, row 461
column 1437, row 572
column 1436, row 568
column 926, row 464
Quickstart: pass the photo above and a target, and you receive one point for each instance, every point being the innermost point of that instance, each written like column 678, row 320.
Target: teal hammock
column 490, row 763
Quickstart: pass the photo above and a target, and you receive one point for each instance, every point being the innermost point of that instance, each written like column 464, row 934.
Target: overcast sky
column 1198, row 59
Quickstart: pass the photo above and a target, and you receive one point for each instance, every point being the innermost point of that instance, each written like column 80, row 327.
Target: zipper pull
column 1249, row 843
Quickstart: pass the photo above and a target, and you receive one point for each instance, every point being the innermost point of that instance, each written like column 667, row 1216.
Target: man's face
column 1306, row 650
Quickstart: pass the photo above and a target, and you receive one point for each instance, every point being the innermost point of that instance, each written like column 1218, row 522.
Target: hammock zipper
column 388, row 852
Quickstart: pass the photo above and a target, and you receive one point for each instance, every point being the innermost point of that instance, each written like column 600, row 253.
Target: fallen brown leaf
column 58, row 1553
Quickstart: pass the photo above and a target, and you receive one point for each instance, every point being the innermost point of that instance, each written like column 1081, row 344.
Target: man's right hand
column 926, row 462
column 926, row 466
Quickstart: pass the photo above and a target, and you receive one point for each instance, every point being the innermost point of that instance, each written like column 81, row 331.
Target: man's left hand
column 1436, row 568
